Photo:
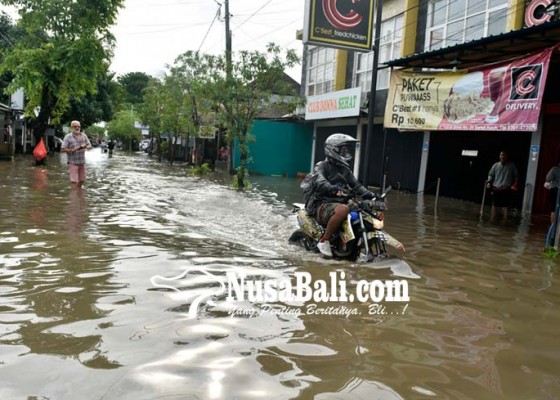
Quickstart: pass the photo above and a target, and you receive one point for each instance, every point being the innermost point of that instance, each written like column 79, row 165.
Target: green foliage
column 169, row 106
column 94, row 131
column 98, row 106
column 256, row 83
column 122, row 128
column 164, row 146
column 134, row 84
column 151, row 110
column 551, row 253
column 65, row 50
column 201, row 170
column 10, row 34
column 241, row 184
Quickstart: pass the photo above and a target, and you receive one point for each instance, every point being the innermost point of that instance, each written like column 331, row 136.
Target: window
column 452, row 22
column 389, row 49
column 320, row 73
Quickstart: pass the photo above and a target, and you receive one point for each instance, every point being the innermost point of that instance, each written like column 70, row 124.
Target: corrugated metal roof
column 487, row 50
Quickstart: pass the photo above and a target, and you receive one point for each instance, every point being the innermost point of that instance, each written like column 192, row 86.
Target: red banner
column 501, row 97
column 513, row 91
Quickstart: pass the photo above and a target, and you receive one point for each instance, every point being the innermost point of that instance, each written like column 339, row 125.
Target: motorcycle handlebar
column 377, row 205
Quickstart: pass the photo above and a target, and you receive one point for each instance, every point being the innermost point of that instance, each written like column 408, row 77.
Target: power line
column 7, row 39
column 270, row 32
column 452, row 17
column 252, row 15
column 210, row 27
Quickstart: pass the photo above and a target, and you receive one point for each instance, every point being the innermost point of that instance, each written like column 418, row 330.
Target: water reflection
column 77, row 213
column 89, row 309
column 39, row 179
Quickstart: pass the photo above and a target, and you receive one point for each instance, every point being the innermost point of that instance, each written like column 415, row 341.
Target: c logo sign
column 534, row 15
column 336, row 19
column 524, row 84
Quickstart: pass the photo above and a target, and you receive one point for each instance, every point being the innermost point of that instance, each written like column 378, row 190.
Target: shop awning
column 486, row 50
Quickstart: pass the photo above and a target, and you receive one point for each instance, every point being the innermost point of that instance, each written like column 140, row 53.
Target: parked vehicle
column 57, row 144
column 144, row 144
column 361, row 236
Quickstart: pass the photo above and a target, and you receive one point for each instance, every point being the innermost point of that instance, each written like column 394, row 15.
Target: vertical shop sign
column 339, row 23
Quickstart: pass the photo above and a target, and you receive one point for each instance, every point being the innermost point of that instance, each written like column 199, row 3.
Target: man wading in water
column 74, row 145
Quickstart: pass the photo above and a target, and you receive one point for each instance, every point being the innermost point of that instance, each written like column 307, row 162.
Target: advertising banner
column 501, row 97
column 332, row 23
column 340, row 104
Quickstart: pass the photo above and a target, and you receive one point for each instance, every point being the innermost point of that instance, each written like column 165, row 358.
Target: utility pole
column 228, row 41
column 372, row 95
column 228, row 76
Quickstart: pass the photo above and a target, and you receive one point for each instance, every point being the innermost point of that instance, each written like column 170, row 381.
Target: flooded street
column 112, row 293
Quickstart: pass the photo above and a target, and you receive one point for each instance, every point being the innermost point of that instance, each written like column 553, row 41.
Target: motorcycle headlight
column 378, row 205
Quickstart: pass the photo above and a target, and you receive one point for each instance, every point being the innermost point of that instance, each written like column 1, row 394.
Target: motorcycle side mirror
column 387, row 190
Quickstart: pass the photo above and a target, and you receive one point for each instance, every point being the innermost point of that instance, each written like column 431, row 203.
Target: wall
column 280, row 148
column 403, row 152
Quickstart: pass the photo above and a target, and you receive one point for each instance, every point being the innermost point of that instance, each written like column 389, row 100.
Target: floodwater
column 116, row 292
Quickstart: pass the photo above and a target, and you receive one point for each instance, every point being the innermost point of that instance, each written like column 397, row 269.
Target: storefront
column 403, row 154
column 334, row 112
column 460, row 148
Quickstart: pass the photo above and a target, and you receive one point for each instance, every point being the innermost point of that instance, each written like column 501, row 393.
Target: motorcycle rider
column 332, row 181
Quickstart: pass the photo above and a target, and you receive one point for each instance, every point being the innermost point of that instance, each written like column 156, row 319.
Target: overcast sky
column 152, row 33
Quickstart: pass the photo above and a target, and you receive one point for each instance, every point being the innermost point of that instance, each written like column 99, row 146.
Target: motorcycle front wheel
column 377, row 250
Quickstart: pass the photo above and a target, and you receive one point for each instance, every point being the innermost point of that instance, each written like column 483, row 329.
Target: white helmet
column 340, row 148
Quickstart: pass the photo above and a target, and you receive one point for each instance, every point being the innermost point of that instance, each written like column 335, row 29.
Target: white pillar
column 532, row 164
column 313, row 148
column 357, row 153
column 424, row 161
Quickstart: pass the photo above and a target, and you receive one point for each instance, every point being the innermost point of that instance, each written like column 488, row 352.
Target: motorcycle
column 360, row 237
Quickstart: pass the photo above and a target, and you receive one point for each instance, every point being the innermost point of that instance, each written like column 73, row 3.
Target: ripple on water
column 7, row 289
column 464, row 334
column 40, row 232
column 69, row 290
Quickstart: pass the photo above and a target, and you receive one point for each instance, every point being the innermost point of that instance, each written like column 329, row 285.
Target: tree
column 62, row 55
column 169, row 108
column 257, row 82
column 134, row 84
column 178, row 111
column 98, row 106
column 150, row 111
column 95, row 131
column 9, row 35
column 122, row 128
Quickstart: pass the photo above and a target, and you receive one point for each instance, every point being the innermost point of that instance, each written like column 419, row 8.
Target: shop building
column 435, row 36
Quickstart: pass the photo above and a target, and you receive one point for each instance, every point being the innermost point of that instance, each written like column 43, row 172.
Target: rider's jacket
column 329, row 178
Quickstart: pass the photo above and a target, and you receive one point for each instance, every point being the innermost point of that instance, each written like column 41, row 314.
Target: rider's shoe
column 325, row 248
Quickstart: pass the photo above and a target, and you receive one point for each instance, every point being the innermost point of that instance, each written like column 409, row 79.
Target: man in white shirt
column 74, row 145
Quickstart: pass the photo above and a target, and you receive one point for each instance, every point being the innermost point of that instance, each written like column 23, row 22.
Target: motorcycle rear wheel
column 300, row 238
